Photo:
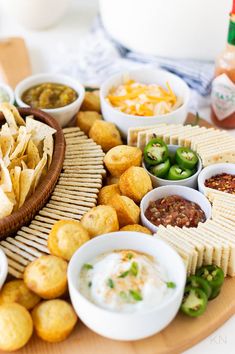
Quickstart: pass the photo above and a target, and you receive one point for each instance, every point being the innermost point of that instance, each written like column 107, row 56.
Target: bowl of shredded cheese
column 144, row 97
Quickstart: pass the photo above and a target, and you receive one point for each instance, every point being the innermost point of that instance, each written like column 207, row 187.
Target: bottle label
column 223, row 97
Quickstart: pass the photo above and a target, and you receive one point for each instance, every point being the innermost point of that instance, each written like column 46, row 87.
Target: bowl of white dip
column 126, row 285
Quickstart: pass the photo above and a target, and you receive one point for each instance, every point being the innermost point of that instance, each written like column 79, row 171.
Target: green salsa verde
column 49, row 95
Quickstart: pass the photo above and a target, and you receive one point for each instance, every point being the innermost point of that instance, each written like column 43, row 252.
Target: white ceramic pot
column 214, row 170
column 148, row 76
column 165, row 191
column 37, row 14
column 171, row 28
column 127, row 326
column 63, row 114
column 190, row 182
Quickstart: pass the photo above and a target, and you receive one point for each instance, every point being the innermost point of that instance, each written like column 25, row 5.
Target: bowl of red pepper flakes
column 220, row 176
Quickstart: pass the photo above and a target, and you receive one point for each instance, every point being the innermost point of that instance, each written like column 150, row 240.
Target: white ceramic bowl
column 127, row 326
column 9, row 91
column 213, row 170
column 190, row 182
column 63, row 114
column 165, row 191
column 148, row 76
column 3, row 267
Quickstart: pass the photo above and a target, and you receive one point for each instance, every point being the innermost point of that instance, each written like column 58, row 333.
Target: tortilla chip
column 33, row 156
column 18, row 119
column 17, row 162
column 22, row 142
column 38, row 130
column 24, row 166
column 48, row 148
column 6, row 206
column 10, row 119
column 38, row 171
column 26, row 180
column 15, row 179
column 5, row 178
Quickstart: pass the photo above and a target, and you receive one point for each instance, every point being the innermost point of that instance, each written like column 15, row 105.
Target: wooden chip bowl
column 10, row 224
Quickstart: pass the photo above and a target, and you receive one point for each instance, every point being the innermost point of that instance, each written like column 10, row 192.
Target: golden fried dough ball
column 100, row 220
column 137, row 228
column 135, row 183
column 47, row 276
column 66, row 237
column 127, row 211
column 91, row 102
column 85, row 120
column 16, row 326
column 108, row 192
column 17, row 291
column 105, row 134
column 120, row 158
column 112, row 180
column 54, row 320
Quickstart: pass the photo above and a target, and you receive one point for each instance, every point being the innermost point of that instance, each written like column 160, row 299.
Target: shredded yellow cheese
column 139, row 99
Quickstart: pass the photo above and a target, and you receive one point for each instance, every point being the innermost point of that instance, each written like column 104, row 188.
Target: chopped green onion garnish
column 136, row 295
column 124, row 274
column 123, row 295
column 134, row 268
column 88, row 266
column 110, row 283
column 130, row 255
column 171, row 284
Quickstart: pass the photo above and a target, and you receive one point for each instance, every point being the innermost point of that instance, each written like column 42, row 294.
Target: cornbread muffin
column 85, row 120
column 54, row 320
column 100, row 220
column 91, row 102
column 47, row 276
column 112, row 180
column 127, row 211
column 120, row 158
column 17, row 291
column 66, row 237
column 105, row 134
column 135, row 183
column 137, row 228
column 108, row 192
column 16, row 326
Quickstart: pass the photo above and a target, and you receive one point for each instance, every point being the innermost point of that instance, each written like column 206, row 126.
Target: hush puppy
column 108, row 192
column 105, row 134
column 54, row 320
column 16, row 326
column 66, row 237
column 136, row 227
column 85, row 120
column 100, row 220
column 17, row 291
column 127, row 211
column 91, row 102
column 135, row 183
column 47, row 276
column 120, row 158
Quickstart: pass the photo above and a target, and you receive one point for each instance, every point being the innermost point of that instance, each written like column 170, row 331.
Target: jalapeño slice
column 194, row 302
column 161, row 169
column 199, row 282
column 186, row 158
column 215, row 277
column 176, row 173
column 155, row 152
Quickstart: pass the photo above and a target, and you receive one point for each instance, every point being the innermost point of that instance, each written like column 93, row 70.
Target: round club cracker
column 47, row 276
column 100, row 220
column 54, row 320
column 105, row 134
column 135, row 183
column 127, row 211
column 17, row 291
column 16, row 326
column 65, row 237
column 120, row 158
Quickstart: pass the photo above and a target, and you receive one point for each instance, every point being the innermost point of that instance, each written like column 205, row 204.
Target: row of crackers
column 212, row 242
column 212, row 145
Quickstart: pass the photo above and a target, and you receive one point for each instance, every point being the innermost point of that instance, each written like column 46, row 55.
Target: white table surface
column 69, row 30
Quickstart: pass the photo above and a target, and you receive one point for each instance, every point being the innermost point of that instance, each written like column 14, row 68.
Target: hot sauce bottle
column 223, row 86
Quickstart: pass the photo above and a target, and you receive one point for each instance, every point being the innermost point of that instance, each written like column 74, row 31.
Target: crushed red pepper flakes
column 223, row 182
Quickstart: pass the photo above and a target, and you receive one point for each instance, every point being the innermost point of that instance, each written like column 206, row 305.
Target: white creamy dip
column 125, row 281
